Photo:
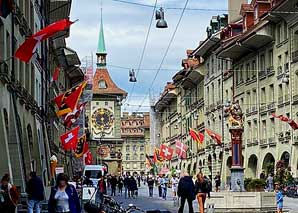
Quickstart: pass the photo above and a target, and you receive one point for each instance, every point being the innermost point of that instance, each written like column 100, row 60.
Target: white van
column 94, row 170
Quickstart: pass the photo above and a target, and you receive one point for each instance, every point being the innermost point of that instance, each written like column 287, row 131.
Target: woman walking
column 64, row 197
column 201, row 189
column 9, row 195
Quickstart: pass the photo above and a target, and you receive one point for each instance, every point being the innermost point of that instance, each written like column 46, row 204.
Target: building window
column 142, row 148
column 264, row 131
column 102, row 84
column 285, row 31
column 127, row 156
column 127, row 166
column 30, row 136
column 134, row 148
column 142, row 157
column 127, row 148
column 272, row 127
column 263, row 95
column 270, row 57
column 262, row 63
column 278, row 33
column 271, row 94
column 135, row 156
column 134, row 165
column 142, row 165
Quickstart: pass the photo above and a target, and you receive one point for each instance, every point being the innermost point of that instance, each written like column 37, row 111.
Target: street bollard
column 210, row 208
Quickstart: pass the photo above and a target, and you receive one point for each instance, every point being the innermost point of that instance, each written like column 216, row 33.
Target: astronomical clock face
column 102, row 120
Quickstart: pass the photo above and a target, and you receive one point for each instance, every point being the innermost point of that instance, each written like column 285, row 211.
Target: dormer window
column 102, row 84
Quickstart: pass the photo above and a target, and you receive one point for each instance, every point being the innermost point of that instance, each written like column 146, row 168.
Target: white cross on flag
column 69, row 139
column 166, row 152
column 181, row 149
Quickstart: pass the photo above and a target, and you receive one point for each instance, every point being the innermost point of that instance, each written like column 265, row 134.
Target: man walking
column 126, row 183
column 35, row 191
column 113, row 182
column 150, row 183
column 186, row 191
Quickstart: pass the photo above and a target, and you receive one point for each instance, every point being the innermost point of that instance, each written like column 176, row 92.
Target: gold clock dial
column 102, row 120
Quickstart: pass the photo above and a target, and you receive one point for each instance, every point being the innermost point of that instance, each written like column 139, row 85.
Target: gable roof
column 111, row 87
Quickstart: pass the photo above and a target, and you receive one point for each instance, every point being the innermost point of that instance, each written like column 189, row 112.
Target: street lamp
column 160, row 17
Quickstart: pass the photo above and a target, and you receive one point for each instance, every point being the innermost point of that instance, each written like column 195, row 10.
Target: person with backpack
column 202, row 189
column 35, row 191
column 186, row 191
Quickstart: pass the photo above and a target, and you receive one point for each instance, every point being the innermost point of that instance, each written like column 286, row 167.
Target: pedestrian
column 159, row 186
column 133, row 187
column 101, row 188
column 164, row 186
column 174, row 182
column 186, row 191
column 113, row 183
column 139, row 180
column 35, row 191
column 269, row 182
column 279, row 198
column 120, row 185
column 9, row 195
column 202, row 189
column 217, row 182
column 64, row 197
column 150, row 183
column 126, row 183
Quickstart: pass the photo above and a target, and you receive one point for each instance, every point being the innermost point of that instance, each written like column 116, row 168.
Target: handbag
column 92, row 207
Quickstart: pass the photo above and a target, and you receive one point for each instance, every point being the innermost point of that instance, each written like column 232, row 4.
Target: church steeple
column 101, row 48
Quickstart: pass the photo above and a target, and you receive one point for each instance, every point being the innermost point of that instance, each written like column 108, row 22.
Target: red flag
column 68, row 101
column 166, row 152
column 27, row 49
column 69, row 139
column 197, row 136
column 88, row 158
column 291, row 122
column 157, row 158
column 81, row 147
column 55, row 74
column 214, row 136
column 181, row 149
column 71, row 117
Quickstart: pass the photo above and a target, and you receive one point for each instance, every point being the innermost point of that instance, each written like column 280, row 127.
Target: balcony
column 263, row 109
column 4, row 72
column 254, row 110
column 271, row 107
column 262, row 74
column 280, row 101
column 270, row 71
column 295, row 56
column 271, row 142
column 263, row 143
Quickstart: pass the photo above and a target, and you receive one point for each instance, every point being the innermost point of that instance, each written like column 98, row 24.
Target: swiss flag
column 88, row 158
column 181, row 149
column 166, row 152
column 214, row 136
column 27, row 49
column 69, row 139
column 283, row 118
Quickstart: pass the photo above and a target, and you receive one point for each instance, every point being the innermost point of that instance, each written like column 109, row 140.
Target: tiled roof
column 111, row 87
column 246, row 8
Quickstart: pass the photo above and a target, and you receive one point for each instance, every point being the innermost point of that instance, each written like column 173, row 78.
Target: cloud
column 126, row 27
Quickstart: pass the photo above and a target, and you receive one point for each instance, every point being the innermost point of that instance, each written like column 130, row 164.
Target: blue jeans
column 164, row 192
column 33, row 205
column 125, row 191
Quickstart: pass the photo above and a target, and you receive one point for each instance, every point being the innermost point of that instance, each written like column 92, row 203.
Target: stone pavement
column 146, row 203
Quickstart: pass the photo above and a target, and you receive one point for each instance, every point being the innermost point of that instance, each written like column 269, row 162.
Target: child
column 279, row 198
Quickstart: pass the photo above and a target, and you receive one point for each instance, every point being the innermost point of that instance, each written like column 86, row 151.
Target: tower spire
column 101, row 47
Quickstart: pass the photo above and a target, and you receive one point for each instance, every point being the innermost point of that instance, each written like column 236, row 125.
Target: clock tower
column 105, row 114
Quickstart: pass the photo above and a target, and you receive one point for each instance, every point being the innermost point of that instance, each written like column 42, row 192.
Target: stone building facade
column 135, row 129
column 26, row 118
column 253, row 60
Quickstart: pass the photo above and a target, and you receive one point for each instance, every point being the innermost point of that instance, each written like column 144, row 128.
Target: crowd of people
column 64, row 196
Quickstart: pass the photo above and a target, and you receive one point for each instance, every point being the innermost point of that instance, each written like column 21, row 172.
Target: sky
column 125, row 28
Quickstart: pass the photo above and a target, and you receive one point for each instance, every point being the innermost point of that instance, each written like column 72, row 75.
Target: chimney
column 234, row 7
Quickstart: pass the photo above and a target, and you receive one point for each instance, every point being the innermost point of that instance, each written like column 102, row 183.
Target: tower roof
column 104, row 85
column 101, row 48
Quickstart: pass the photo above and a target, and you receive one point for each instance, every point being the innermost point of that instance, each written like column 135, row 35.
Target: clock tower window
column 102, row 84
